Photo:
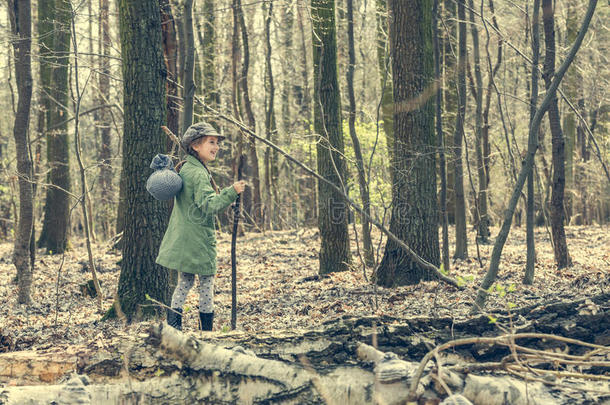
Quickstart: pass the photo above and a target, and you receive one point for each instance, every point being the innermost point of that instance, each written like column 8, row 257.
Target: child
column 189, row 244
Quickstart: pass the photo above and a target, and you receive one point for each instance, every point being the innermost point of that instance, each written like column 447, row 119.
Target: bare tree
column 21, row 29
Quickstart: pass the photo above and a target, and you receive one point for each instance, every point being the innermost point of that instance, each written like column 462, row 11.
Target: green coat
column 189, row 243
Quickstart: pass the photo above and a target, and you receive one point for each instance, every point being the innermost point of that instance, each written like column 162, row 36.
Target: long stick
column 236, row 207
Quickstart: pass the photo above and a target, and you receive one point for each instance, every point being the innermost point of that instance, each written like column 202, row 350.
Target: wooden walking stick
column 236, row 208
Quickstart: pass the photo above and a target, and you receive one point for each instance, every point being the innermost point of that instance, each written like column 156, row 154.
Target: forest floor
column 278, row 287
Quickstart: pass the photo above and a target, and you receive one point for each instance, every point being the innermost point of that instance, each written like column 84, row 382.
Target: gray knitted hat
column 198, row 130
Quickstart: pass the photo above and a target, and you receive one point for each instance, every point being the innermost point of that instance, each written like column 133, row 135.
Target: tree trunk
column 385, row 76
column 482, row 217
column 170, row 53
column 440, row 139
column 531, row 249
column 21, row 27
column 144, row 108
column 188, row 82
column 414, row 205
column 271, row 169
column 362, row 180
column 105, row 122
column 251, row 198
column 54, row 234
column 450, row 94
column 211, row 93
column 461, row 237
column 333, row 210
column 562, row 257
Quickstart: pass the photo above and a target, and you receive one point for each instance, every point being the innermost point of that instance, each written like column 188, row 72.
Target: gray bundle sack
column 164, row 183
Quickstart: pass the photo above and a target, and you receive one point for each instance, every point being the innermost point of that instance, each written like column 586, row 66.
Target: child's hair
column 193, row 152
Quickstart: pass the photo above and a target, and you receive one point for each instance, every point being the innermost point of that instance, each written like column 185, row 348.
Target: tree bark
column 461, row 237
column 560, row 245
column 385, row 77
column 188, row 83
column 251, row 198
column 144, row 108
column 531, row 249
column 362, row 180
column 440, row 139
column 482, row 216
column 21, row 27
column 272, row 203
column 55, row 231
column 414, row 205
column 333, row 210
column 105, row 122
column 170, row 53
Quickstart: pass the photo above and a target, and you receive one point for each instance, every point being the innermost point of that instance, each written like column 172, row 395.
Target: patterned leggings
column 206, row 291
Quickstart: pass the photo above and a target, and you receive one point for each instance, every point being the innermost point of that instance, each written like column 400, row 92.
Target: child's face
column 207, row 148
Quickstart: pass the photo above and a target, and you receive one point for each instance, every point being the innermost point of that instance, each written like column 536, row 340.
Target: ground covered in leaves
column 278, row 287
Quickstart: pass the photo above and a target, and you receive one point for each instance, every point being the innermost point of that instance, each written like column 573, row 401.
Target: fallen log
column 334, row 363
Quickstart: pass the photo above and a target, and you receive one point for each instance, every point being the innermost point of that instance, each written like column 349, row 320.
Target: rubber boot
column 174, row 318
column 206, row 320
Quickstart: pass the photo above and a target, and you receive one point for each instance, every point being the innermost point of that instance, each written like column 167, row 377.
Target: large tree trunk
column 144, row 108
column 333, row 210
column 562, row 257
column 21, row 27
column 414, row 205
column 461, row 237
column 54, row 234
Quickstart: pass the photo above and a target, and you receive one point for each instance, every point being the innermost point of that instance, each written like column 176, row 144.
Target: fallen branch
column 508, row 340
column 418, row 259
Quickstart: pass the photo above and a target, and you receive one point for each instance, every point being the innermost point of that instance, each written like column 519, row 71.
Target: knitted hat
column 198, row 130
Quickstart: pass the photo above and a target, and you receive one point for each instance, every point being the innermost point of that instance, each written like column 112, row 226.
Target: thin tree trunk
column 461, row 237
column 362, row 181
column 105, row 151
column 494, row 263
column 170, row 52
column 271, row 171
column 562, row 256
column 251, row 198
column 482, row 217
column 188, row 82
column 385, row 76
column 440, row 138
column 21, row 27
column 531, row 249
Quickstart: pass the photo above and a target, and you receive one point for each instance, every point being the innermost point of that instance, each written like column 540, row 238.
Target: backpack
column 164, row 183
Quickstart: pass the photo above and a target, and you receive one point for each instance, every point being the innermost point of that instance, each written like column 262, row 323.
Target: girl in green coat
column 189, row 244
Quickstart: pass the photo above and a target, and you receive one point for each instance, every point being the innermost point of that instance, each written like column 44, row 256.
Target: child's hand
column 239, row 186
